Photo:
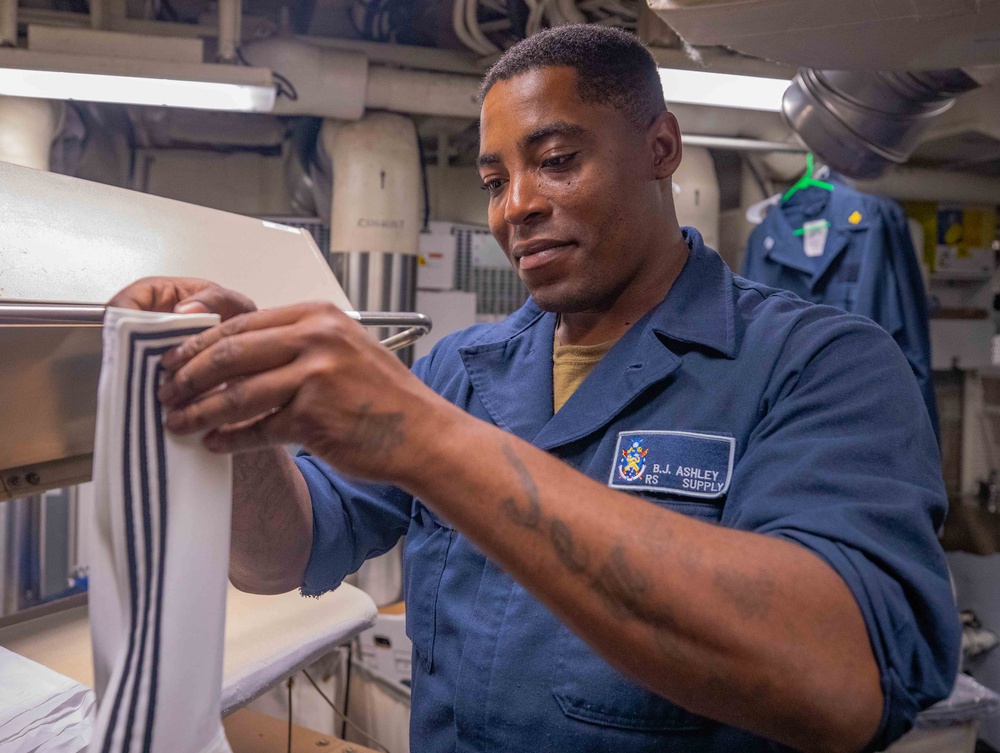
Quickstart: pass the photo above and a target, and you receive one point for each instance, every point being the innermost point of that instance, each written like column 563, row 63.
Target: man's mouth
column 537, row 253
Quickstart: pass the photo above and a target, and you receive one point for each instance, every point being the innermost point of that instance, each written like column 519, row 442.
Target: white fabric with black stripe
column 160, row 560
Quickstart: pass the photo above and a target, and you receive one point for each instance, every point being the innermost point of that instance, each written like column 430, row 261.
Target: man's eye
column 559, row 161
column 492, row 186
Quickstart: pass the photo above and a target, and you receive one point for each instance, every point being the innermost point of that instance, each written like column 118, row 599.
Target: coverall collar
column 840, row 207
column 511, row 368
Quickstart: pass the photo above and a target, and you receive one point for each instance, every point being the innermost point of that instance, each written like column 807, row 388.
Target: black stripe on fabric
column 147, row 534
column 130, row 548
column 134, row 338
column 161, row 464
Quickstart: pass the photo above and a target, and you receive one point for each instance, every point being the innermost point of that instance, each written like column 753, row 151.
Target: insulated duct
column 230, row 22
column 8, row 23
column 27, row 128
column 320, row 81
column 863, row 122
column 922, row 184
column 375, row 210
column 341, row 84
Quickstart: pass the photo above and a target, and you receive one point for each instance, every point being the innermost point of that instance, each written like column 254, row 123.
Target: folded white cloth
column 159, row 554
column 42, row 711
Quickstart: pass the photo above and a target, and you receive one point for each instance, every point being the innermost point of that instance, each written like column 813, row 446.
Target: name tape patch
column 692, row 464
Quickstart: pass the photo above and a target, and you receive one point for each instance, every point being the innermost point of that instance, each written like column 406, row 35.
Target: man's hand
column 272, row 511
column 182, row 295
column 304, row 374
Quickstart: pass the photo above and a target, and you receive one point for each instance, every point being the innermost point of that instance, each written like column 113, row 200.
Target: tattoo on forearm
column 624, row 590
column 628, row 594
column 573, row 555
column 529, row 513
column 377, row 433
column 751, row 596
column 621, row 587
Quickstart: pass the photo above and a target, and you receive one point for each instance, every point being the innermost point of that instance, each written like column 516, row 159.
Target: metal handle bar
column 50, row 313
column 417, row 325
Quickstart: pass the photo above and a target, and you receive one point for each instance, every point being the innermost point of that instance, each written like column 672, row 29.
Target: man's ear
column 665, row 140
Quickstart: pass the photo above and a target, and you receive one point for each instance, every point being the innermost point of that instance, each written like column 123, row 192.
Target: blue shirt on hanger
column 825, row 445
column 867, row 266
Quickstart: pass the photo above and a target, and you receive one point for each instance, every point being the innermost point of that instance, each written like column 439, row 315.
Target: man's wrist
column 434, row 438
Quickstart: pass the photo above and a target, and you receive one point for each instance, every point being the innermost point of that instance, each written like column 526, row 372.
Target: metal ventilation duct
column 862, row 122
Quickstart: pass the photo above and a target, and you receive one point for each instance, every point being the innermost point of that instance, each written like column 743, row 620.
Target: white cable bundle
column 465, row 22
column 160, row 554
column 541, row 14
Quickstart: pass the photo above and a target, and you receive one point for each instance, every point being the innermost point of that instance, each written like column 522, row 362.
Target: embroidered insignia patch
column 692, row 464
column 632, row 464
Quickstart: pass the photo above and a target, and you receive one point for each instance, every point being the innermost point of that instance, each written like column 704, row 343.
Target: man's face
column 571, row 189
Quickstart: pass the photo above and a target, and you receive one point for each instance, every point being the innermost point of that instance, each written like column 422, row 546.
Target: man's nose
column 524, row 202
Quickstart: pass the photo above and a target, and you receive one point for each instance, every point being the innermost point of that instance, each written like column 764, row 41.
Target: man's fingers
column 182, row 295
column 224, row 360
column 269, row 431
column 158, row 293
column 215, row 300
column 256, row 320
column 236, row 402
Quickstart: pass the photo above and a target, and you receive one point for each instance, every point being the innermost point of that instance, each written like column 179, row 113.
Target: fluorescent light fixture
column 94, row 87
column 135, row 82
column 722, row 89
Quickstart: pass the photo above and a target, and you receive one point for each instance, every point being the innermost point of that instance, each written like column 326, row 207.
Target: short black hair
column 612, row 67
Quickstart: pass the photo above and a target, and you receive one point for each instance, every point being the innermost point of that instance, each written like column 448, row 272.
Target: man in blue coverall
column 723, row 541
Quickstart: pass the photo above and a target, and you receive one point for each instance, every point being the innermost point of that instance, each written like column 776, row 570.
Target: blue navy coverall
column 829, row 452
column 868, row 267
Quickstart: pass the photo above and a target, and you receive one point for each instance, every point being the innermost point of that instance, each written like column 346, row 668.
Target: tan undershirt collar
column 571, row 364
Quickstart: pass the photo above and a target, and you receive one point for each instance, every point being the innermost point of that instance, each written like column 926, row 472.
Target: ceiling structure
column 465, row 36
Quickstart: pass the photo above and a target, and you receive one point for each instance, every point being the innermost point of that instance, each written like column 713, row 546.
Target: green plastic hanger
column 807, row 181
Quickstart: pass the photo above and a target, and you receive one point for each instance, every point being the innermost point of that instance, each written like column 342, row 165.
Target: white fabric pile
column 40, row 710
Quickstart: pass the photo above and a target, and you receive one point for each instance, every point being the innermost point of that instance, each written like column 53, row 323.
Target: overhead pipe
column 341, row 84
column 328, row 83
column 8, row 23
column 921, row 184
column 230, row 19
column 27, row 128
column 422, row 93
column 332, row 81
column 410, row 56
column 741, row 144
